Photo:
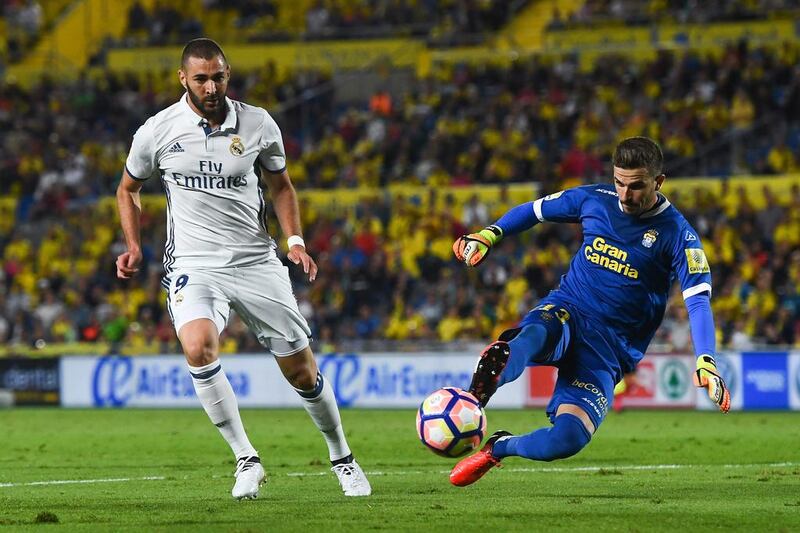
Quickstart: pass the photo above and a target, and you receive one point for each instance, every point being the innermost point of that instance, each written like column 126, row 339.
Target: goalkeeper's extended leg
column 542, row 340
column 486, row 377
column 565, row 438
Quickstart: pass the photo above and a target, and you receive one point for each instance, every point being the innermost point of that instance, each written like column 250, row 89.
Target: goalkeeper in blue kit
column 596, row 326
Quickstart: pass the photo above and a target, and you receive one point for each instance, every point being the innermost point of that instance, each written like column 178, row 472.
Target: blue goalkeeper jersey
column 622, row 273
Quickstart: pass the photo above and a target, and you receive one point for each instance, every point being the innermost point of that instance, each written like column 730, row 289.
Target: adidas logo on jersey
column 690, row 236
column 175, row 149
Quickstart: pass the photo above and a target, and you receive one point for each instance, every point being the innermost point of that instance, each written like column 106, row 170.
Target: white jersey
column 216, row 214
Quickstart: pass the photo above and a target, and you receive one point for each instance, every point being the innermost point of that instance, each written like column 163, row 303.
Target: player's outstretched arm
column 129, row 205
column 706, row 374
column 284, row 200
column 473, row 248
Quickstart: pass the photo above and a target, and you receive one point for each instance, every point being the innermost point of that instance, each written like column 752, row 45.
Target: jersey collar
column 231, row 120
column 661, row 204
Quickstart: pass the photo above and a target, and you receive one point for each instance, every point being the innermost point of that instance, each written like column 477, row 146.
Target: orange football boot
column 470, row 469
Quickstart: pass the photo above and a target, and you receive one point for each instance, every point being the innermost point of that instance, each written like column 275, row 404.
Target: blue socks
column 529, row 344
column 567, row 437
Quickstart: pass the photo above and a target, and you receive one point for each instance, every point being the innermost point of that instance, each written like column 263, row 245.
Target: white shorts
column 260, row 294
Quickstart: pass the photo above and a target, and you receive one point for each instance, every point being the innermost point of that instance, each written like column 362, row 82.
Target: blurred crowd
column 643, row 12
column 390, row 271
column 65, row 143
column 387, row 272
column 545, row 120
column 386, row 265
column 444, row 23
column 540, row 119
column 165, row 23
column 21, row 22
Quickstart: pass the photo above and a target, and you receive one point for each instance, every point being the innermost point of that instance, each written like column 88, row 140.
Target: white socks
column 216, row 394
column 321, row 406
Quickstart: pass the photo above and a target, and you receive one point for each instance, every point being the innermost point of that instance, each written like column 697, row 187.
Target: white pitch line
column 81, row 481
column 574, row 469
column 419, row 472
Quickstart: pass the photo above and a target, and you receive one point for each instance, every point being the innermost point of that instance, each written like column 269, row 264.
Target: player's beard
column 212, row 112
column 641, row 207
column 632, row 209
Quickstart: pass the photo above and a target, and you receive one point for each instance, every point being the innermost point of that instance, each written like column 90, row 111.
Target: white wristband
column 295, row 239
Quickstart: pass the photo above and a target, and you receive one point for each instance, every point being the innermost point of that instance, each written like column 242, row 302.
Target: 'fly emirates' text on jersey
column 215, row 205
column 623, row 271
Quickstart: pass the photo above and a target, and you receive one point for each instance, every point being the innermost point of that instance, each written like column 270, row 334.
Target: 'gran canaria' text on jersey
column 610, row 257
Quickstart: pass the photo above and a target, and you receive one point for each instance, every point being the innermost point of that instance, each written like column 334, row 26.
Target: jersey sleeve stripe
column 131, row 174
column 537, row 209
column 281, row 171
column 697, row 289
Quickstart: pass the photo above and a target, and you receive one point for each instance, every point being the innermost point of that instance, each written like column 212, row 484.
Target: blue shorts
column 591, row 390
column 587, row 356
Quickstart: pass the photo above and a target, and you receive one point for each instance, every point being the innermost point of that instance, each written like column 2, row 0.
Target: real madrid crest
column 237, row 148
column 649, row 238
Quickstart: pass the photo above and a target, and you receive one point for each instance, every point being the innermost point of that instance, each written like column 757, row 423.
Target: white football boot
column 352, row 479
column 250, row 476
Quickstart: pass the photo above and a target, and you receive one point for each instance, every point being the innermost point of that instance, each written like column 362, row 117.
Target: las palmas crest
column 649, row 238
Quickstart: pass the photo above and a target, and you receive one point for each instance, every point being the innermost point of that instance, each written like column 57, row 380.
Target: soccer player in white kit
column 219, row 255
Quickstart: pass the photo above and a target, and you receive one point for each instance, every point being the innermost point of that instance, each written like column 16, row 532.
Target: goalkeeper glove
column 473, row 248
column 707, row 376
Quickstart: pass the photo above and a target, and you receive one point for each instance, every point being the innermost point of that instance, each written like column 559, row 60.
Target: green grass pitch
column 643, row 471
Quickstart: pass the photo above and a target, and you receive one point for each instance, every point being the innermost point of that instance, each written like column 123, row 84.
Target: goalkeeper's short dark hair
column 639, row 152
column 203, row 48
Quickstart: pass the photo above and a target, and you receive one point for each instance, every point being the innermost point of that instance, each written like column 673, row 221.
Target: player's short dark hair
column 204, row 48
column 639, row 152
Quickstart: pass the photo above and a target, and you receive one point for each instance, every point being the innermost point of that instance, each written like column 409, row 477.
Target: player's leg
column 267, row 305
column 571, row 431
column 199, row 339
column 199, row 310
column 578, row 407
column 542, row 337
column 300, row 370
column 579, row 404
column 316, row 393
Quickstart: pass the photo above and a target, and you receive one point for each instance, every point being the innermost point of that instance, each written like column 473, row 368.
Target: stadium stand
column 546, row 122
column 524, row 128
column 441, row 23
column 593, row 13
column 22, row 23
column 388, row 273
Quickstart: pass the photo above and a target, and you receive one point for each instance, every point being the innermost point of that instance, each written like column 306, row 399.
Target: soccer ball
column 451, row 422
